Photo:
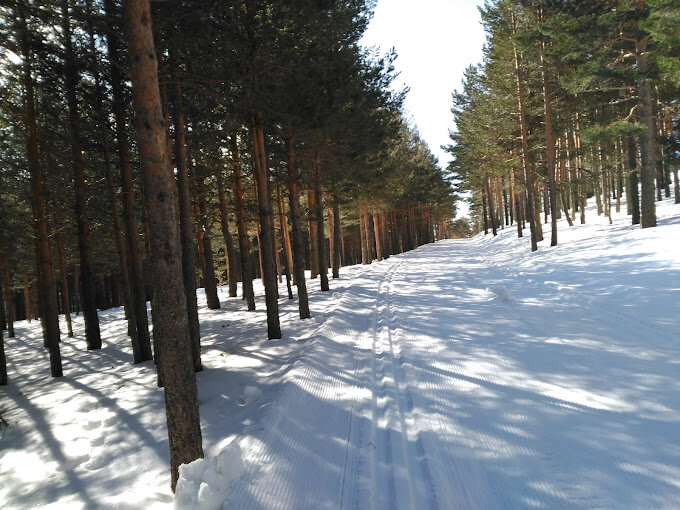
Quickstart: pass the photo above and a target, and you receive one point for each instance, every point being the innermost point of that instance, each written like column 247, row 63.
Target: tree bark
column 318, row 218
column 298, row 243
column 550, row 147
column 209, row 280
column 87, row 279
column 185, row 224
column 365, row 250
column 492, row 208
column 288, row 259
column 46, row 282
column 283, row 219
column 271, row 292
column 171, row 319
column 10, row 314
column 136, row 273
column 246, row 266
column 633, row 181
column 128, row 301
column 313, row 242
column 378, row 241
column 64, row 285
column 525, row 147
column 232, row 263
column 648, row 150
column 337, row 242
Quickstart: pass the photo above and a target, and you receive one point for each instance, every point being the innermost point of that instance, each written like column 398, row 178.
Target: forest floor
column 464, row 374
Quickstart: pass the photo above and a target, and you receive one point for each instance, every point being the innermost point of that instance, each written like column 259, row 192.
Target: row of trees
column 267, row 142
column 574, row 99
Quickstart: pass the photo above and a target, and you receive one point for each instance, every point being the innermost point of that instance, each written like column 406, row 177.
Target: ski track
column 441, row 401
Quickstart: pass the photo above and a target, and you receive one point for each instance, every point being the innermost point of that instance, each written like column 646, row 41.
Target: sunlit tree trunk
column 171, row 320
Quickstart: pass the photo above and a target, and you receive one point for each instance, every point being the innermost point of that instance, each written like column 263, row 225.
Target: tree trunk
column 46, row 283
column 298, row 243
column 136, row 273
column 283, row 220
column 648, row 150
column 87, row 279
column 378, row 243
column 337, row 242
column 633, row 182
column 528, row 181
column 3, row 362
column 64, row 285
column 492, row 208
column 485, row 212
column 363, row 228
column 318, row 218
column 313, row 242
column 288, row 259
column 209, row 280
column 232, row 263
column 10, row 315
column 128, row 301
column 246, row 267
column 261, row 174
column 550, row 148
column 186, row 226
column 171, row 319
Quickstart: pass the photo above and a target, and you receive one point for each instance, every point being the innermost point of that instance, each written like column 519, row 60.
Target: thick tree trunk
column 46, row 282
column 136, row 273
column 244, row 249
column 298, row 242
column 232, row 263
column 261, row 174
column 186, row 225
column 88, row 289
column 648, row 150
column 318, row 219
column 181, row 396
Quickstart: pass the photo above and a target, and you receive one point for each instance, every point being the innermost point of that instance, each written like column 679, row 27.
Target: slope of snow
column 465, row 374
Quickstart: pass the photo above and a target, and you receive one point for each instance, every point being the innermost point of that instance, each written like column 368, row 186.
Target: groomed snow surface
column 465, row 374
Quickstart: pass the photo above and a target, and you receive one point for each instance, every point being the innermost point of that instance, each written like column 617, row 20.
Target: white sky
column 435, row 40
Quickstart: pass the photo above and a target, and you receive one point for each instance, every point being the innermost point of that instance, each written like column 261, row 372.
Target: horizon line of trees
column 574, row 99
column 266, row 141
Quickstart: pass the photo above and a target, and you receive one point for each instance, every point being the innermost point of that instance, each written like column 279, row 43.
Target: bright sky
column 435, row 40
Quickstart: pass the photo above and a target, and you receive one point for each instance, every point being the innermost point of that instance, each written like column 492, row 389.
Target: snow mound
column 502, row 294
column 251, row 394
column 204, row 484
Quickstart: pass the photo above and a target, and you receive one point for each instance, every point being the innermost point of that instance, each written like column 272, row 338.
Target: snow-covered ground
column 464, row 374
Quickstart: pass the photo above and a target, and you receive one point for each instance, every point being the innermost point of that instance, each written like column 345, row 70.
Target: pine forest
column 235, row 273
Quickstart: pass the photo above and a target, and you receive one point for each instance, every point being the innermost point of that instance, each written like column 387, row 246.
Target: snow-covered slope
column 464, row 374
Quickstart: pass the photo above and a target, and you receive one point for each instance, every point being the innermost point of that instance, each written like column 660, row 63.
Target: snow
column 205, row 485
column 464, row 374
